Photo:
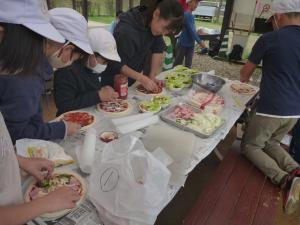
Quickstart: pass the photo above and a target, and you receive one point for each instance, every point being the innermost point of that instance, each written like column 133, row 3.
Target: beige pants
column 261, row 145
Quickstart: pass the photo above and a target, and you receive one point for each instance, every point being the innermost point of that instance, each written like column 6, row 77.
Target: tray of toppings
column 206, row 101
column 192, row 120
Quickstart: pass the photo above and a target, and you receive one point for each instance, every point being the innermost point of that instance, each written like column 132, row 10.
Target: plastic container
column 87, row 153
column 121, row 86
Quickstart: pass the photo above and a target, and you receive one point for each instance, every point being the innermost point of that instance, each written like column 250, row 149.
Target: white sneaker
column 292, row 198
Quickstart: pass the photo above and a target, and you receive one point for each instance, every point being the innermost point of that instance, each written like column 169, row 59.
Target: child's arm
column 36, row 166
column 63, row 198
column 190, row 26
column 247, row 71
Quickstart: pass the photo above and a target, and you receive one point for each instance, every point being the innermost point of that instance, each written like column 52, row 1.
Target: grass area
column 102, row 19
column 199, row 23
column 208, row 24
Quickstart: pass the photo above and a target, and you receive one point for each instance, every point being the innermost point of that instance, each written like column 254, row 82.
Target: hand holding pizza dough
column 60, row 199
column 160, row 83
column 72, row 128
column 107, row 93
column 149, row 84
column 39, row 168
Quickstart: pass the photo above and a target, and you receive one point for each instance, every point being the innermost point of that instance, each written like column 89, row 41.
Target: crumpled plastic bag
column 128, row 183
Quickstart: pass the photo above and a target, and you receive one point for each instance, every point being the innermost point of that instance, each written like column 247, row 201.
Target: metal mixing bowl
column 208, row 82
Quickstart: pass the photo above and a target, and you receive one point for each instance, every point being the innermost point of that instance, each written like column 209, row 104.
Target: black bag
column 236, row 53
column 214, row 47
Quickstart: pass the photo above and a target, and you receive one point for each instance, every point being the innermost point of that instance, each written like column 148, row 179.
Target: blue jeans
column 182, row 53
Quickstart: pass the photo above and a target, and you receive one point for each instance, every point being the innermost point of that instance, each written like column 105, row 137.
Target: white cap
column 32, row 14
column 284, row 6
column 103, row 43
column 72, row 25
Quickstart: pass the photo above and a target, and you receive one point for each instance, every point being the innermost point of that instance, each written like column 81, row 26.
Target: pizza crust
column 55, row 215
column 84, row 128
column 243, row 89
column 115, row 114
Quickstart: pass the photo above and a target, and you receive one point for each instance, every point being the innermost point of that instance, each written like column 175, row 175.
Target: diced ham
column 183, row 112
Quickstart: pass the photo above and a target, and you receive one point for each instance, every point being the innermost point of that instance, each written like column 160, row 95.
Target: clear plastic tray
column 164, row 117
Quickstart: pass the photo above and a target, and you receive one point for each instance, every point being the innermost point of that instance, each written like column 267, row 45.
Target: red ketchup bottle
column 121, row 86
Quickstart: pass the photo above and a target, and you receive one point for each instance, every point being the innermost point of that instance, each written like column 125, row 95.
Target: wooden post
column 85, row 9
column 119, row 5
column 74, row 4
column 227, row 17
column 130, row 4
column 49, row 4
column 219, row 10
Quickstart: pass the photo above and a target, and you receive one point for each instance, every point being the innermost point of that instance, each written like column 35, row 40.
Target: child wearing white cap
column 24, row 28
column 21, row 109
column 88, row 82
column 73, row 27
column 278, row 107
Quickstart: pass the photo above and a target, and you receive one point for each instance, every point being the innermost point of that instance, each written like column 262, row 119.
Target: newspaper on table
column 85, row 214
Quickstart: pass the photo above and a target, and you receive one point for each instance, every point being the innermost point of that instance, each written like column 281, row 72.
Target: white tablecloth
column 235, row 105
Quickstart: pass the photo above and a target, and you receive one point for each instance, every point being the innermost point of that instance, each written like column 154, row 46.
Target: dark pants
column 295, row 143
column 186, row 53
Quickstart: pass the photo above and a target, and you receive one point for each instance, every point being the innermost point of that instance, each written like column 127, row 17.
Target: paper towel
column 87, row 152
column 133, row 126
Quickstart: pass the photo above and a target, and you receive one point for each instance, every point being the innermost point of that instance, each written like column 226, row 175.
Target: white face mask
column 99, row 68
column 56, row 61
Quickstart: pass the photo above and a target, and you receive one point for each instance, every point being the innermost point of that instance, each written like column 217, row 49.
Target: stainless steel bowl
column 208, row 82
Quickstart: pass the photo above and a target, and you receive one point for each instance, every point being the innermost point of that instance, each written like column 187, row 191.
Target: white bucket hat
column 32, row 14
column 284, row 6
column 103, row 43
column 73, row 26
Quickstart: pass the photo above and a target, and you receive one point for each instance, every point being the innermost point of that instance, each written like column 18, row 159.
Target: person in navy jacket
column 21, row 89
column 90, row 80
column 278, row 106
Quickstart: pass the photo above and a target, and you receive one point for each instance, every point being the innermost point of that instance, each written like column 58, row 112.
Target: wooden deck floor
column 238, row 194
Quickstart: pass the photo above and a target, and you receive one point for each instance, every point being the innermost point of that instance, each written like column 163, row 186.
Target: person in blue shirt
column 115, row 22
column 186, row 41
column 278, row 106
